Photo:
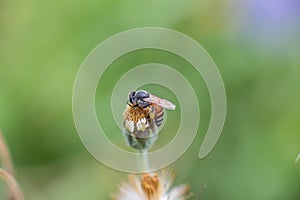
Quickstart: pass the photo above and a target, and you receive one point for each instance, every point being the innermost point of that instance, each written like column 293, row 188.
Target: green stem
column 145, row 160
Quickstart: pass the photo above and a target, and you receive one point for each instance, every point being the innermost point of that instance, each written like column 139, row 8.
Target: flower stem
column 15, row 192
column 7, row 172
column 5, row 156
column 145, row 160
column 298, row 158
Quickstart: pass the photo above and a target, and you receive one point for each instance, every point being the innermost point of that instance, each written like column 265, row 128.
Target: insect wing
column 160, row 102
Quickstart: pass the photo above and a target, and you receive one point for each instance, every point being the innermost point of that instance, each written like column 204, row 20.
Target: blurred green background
column 254, row 43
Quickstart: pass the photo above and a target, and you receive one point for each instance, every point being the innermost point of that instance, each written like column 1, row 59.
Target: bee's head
column 135, row 99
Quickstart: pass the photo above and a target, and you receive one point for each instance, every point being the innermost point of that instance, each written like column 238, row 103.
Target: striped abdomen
column 159, row 115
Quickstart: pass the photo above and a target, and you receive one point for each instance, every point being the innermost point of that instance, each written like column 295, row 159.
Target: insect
column 142, row 117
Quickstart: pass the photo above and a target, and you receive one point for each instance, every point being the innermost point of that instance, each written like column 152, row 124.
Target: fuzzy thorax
column 135, row 114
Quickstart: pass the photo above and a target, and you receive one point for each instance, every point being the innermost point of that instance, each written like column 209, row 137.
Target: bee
column 143, row 115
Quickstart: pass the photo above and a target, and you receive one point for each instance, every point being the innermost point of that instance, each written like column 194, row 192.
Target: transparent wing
column 160, row 102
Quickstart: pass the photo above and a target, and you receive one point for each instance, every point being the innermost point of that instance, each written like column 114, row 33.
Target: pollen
column 153, row 186
column 135, row 114
column 150, row 185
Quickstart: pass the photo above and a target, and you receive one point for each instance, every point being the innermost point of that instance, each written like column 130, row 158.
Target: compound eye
column 132, row 97
column 131, row 94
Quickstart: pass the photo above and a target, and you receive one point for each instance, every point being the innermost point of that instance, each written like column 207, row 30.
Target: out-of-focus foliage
column 254, row 43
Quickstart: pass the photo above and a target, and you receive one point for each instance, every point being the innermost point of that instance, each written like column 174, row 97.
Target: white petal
column 142, row 124
column 130, row 126
column 179, row 193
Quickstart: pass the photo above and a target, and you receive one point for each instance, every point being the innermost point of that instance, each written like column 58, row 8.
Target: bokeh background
column 254, row 43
